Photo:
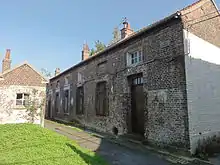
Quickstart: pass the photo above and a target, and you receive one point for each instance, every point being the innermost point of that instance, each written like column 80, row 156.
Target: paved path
column 113, row 153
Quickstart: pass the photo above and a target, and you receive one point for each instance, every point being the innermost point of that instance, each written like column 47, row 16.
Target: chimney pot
column 57, row 71
column 85, row 52
column 6, row 62
column 126, row 31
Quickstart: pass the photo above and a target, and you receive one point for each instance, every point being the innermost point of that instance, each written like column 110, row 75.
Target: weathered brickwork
column 163, row 72
column 203, row 20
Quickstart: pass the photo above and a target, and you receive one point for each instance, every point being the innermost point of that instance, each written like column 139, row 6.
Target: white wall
column 9, row 112
column 203, row 88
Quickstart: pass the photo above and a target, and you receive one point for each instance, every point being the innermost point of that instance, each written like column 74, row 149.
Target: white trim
column 66, row 87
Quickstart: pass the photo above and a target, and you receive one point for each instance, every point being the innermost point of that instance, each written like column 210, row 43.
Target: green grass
column 32, row 145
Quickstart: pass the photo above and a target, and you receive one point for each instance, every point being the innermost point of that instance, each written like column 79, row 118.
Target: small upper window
column 66, row 80
column 134, row 57
column 79, row 77
column 58, row 84
column 22, row 99
column 102, row 68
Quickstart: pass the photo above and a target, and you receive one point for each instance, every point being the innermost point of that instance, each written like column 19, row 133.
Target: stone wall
column 10, row 112
column 166, row 119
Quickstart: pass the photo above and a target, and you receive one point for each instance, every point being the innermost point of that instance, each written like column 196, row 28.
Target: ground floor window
column 79, row 100
column 101, row 99
column 22, row 99
column 57, row 102
column 66, row 101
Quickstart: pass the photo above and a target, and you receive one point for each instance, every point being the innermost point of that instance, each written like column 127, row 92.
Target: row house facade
column 157, row 82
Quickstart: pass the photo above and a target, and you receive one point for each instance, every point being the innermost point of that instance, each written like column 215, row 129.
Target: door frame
column 129, row 114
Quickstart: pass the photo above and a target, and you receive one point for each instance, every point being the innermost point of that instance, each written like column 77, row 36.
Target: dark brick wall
column 164, row 87
column 24, row 76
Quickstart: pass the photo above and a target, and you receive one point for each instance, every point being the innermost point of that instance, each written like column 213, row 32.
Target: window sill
column 134, row 65
column 80, row 115
column 66, row 114
column 20, row 107
column 102, row 116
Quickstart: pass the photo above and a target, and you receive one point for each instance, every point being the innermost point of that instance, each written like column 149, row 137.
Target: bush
column 208, row 147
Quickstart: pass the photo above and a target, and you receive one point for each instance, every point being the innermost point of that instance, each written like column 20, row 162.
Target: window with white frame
column 22, row 99
column 66, row 80
column 58, row 84
column 80, row 78
column 135, row 57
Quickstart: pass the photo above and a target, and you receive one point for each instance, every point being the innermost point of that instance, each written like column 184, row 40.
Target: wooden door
column 137, row 103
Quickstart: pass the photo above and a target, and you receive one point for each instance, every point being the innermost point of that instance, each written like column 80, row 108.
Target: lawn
column 31, row 144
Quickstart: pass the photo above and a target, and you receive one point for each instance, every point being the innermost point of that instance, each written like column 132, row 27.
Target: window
column 79, row 78
column 66, row 80
column 102, row 68
column 66, row 101
column 57, row 102
column 58, row 84
column 22, row 99
column 101, row 99
column 79, row 100
column 134, row 58
column 137, row 81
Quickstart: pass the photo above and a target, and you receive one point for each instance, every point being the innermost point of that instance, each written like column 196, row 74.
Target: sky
column 51, row 33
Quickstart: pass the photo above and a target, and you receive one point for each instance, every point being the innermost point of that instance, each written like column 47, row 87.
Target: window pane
column 135, row 60
column 19, row 96
column 26, row 96
column 132, row 61
column 142, row 80
column 25, row 102
column 135, row 54
column 18, row 102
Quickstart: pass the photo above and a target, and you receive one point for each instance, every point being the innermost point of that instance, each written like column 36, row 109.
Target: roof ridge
column 21, row 64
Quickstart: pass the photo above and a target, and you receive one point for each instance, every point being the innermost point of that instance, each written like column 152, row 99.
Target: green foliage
column 116, row 35
column 46, row 73
column 29, row 144
column 208, row 147
column 33, row 107
column 99, row 46
column 92, row 51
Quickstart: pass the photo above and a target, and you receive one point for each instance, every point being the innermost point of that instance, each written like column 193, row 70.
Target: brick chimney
column 6, row 62
column 126, row 31
column 85, row 52
column 57, row 71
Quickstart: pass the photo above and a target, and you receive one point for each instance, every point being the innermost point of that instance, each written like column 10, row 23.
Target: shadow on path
column 91, row 160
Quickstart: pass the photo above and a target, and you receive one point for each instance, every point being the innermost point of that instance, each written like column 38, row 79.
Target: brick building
column 18, row 86
column 161, row 82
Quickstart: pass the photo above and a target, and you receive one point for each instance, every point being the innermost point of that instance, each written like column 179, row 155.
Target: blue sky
column 50, row 33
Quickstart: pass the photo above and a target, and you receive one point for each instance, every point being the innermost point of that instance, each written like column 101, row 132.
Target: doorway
column 49, row 109
column 137, row 105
